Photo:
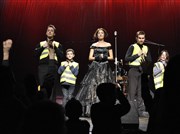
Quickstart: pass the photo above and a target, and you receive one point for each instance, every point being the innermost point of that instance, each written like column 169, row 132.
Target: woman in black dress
column 99, row 70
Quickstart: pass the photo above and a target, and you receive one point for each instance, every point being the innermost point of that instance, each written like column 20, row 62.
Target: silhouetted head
column 106, row 92
column 73, row 109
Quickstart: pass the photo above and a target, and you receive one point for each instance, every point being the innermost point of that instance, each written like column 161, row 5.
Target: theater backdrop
column 25, row 21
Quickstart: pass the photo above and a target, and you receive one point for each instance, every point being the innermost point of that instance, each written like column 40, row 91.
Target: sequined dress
column 99, row 72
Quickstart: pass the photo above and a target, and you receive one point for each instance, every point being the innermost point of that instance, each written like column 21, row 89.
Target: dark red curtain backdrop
column 25, row 21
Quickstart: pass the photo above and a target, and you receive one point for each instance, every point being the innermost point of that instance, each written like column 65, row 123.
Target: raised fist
column 7, row 44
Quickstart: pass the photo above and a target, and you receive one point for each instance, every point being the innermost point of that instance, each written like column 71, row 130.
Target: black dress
column 99, row 72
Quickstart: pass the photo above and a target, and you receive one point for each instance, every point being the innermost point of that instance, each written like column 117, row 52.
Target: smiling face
column 164, row 56
column 70, row 55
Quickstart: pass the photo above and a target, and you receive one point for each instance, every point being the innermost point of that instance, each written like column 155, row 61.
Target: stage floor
column 143, row 122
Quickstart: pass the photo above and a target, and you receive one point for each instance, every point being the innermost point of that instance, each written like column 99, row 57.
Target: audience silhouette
column 73, row 110
column 106, row 114
column 44, row 117
column 12, row 109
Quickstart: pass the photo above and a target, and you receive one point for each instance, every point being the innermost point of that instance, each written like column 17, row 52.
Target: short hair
column 52, row 27
column 140, row 33
column 70, row 49
column 96, row 32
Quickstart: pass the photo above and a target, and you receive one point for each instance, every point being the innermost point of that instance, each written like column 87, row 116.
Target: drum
column 119, row 78
column 121, row 71
column 122, row 79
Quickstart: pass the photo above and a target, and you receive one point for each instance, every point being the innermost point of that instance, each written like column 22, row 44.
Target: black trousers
column 48, row 79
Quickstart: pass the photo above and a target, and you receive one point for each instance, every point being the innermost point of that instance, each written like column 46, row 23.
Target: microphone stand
column 153, row 43
column 115, row 34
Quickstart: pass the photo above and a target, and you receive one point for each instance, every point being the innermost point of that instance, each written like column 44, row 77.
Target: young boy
column 68, row 70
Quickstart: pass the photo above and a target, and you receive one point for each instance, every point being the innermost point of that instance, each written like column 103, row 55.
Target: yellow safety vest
column 158, row 79
column 45, row 52
column 67, row 75
column 136, row 50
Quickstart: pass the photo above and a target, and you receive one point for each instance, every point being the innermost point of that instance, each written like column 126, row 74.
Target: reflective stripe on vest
column 45, row 52
column 67, row 75
column 158, row 79
column 136, row 50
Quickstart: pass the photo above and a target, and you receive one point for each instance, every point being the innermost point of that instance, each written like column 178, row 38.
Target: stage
column 143, row 122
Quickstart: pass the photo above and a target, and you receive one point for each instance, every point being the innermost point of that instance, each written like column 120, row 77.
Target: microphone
column 115, row 33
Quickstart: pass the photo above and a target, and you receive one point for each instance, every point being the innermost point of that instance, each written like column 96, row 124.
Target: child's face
column 163, row 56
column 69, row 55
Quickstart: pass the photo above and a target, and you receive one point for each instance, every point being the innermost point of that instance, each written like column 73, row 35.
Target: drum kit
column 121, row 77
